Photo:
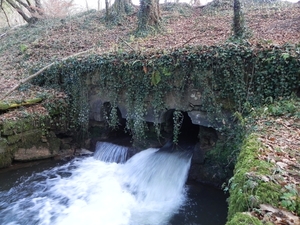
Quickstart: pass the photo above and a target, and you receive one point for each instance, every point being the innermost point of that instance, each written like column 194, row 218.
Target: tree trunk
column 122, row 6
column 34, row 10
column 86, row 5
column 106, row 10
column 2, row 8
column 149, row 16
column 119, row 9
column 19, row 10
column 238, row 20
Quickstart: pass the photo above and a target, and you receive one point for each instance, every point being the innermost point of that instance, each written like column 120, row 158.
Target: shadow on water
column 18, row 172
column 205, row 206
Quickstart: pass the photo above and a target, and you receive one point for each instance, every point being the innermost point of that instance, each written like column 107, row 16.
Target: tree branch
column 19, row 10
column 126, row 43
column 6, row 17
column 28, row 7
column 188, row 41
column 40, row 71
column 2, row 35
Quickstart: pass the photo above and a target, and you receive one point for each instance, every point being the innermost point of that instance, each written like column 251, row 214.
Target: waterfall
column 156, row 176
column 109, row 152
column 148, row 189
column 156, row 179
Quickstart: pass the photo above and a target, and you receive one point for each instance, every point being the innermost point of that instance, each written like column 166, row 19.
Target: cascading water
column 109, row 152
column 147, row 190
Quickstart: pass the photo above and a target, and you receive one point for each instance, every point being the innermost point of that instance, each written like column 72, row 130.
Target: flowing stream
column 148, row 189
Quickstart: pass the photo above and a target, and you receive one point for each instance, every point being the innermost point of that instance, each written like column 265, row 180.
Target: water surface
column 149, row 189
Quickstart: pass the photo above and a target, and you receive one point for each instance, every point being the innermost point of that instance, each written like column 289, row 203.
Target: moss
column 269, row 193
column 10, row 105
column 3, row 145
column 248, row 188
column 54, row 143
column 245, row 219
column 11, row 127
column 26, row 139
column 5, row 159
column 225, row 149
column 5, row 155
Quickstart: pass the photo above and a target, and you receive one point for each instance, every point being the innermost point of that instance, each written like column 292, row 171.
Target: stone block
column 194, row 97
column 33, row 153
column 28, row 138
column 200, row 118
column 5, row 159
column 10, row 127
column 54, row 144
column 3, row 145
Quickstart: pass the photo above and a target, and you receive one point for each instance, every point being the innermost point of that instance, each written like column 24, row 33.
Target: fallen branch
column 5, row 106
column 42, row 70
column 182, row 45
column 126, row 43
column 2, row 35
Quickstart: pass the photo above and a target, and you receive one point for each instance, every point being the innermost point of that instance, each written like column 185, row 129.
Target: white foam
column 147, row 190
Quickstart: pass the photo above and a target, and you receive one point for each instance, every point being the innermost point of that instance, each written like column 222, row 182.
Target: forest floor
column 25, row 49
column 278, row 131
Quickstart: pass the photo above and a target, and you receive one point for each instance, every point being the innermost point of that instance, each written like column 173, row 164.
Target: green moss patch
column 245, row 219
column 5, row 159
column 250, row 186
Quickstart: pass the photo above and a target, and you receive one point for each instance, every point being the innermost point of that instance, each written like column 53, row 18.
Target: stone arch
column 188, row 130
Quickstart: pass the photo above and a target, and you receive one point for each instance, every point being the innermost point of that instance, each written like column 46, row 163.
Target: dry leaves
column 276, row 216
column 45, row 43
column 280, row 137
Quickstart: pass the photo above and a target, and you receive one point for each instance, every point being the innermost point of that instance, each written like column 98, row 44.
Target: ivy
column 177, row 122
column 231, row 77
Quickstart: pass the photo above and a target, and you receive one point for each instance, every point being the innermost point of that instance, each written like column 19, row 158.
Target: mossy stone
column 245, row 219
column 5, row 154
column 3, row 145
column 26, row 139
column 247, row 189
column 11, row 127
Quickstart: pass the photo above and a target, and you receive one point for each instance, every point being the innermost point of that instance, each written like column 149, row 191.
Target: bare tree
column 29, row 10
column 117, row 11
column 57, row 8
column 149, row 16
column 107, row 9
column 86, row 5
column 99, row 5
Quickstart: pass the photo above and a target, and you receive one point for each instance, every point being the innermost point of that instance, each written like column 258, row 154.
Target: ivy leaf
column 155, row 79
column 166, row 72
column 285, row 55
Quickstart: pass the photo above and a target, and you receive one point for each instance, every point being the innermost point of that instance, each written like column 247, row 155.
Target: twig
column 127, row 44
column 186, row 42
column 1, row 35
column 42, row 70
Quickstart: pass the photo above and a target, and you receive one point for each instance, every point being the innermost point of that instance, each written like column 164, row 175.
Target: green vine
column 231, row 77
column 177, row 122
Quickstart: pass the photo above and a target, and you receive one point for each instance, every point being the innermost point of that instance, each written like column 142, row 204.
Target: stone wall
column 29, row 138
